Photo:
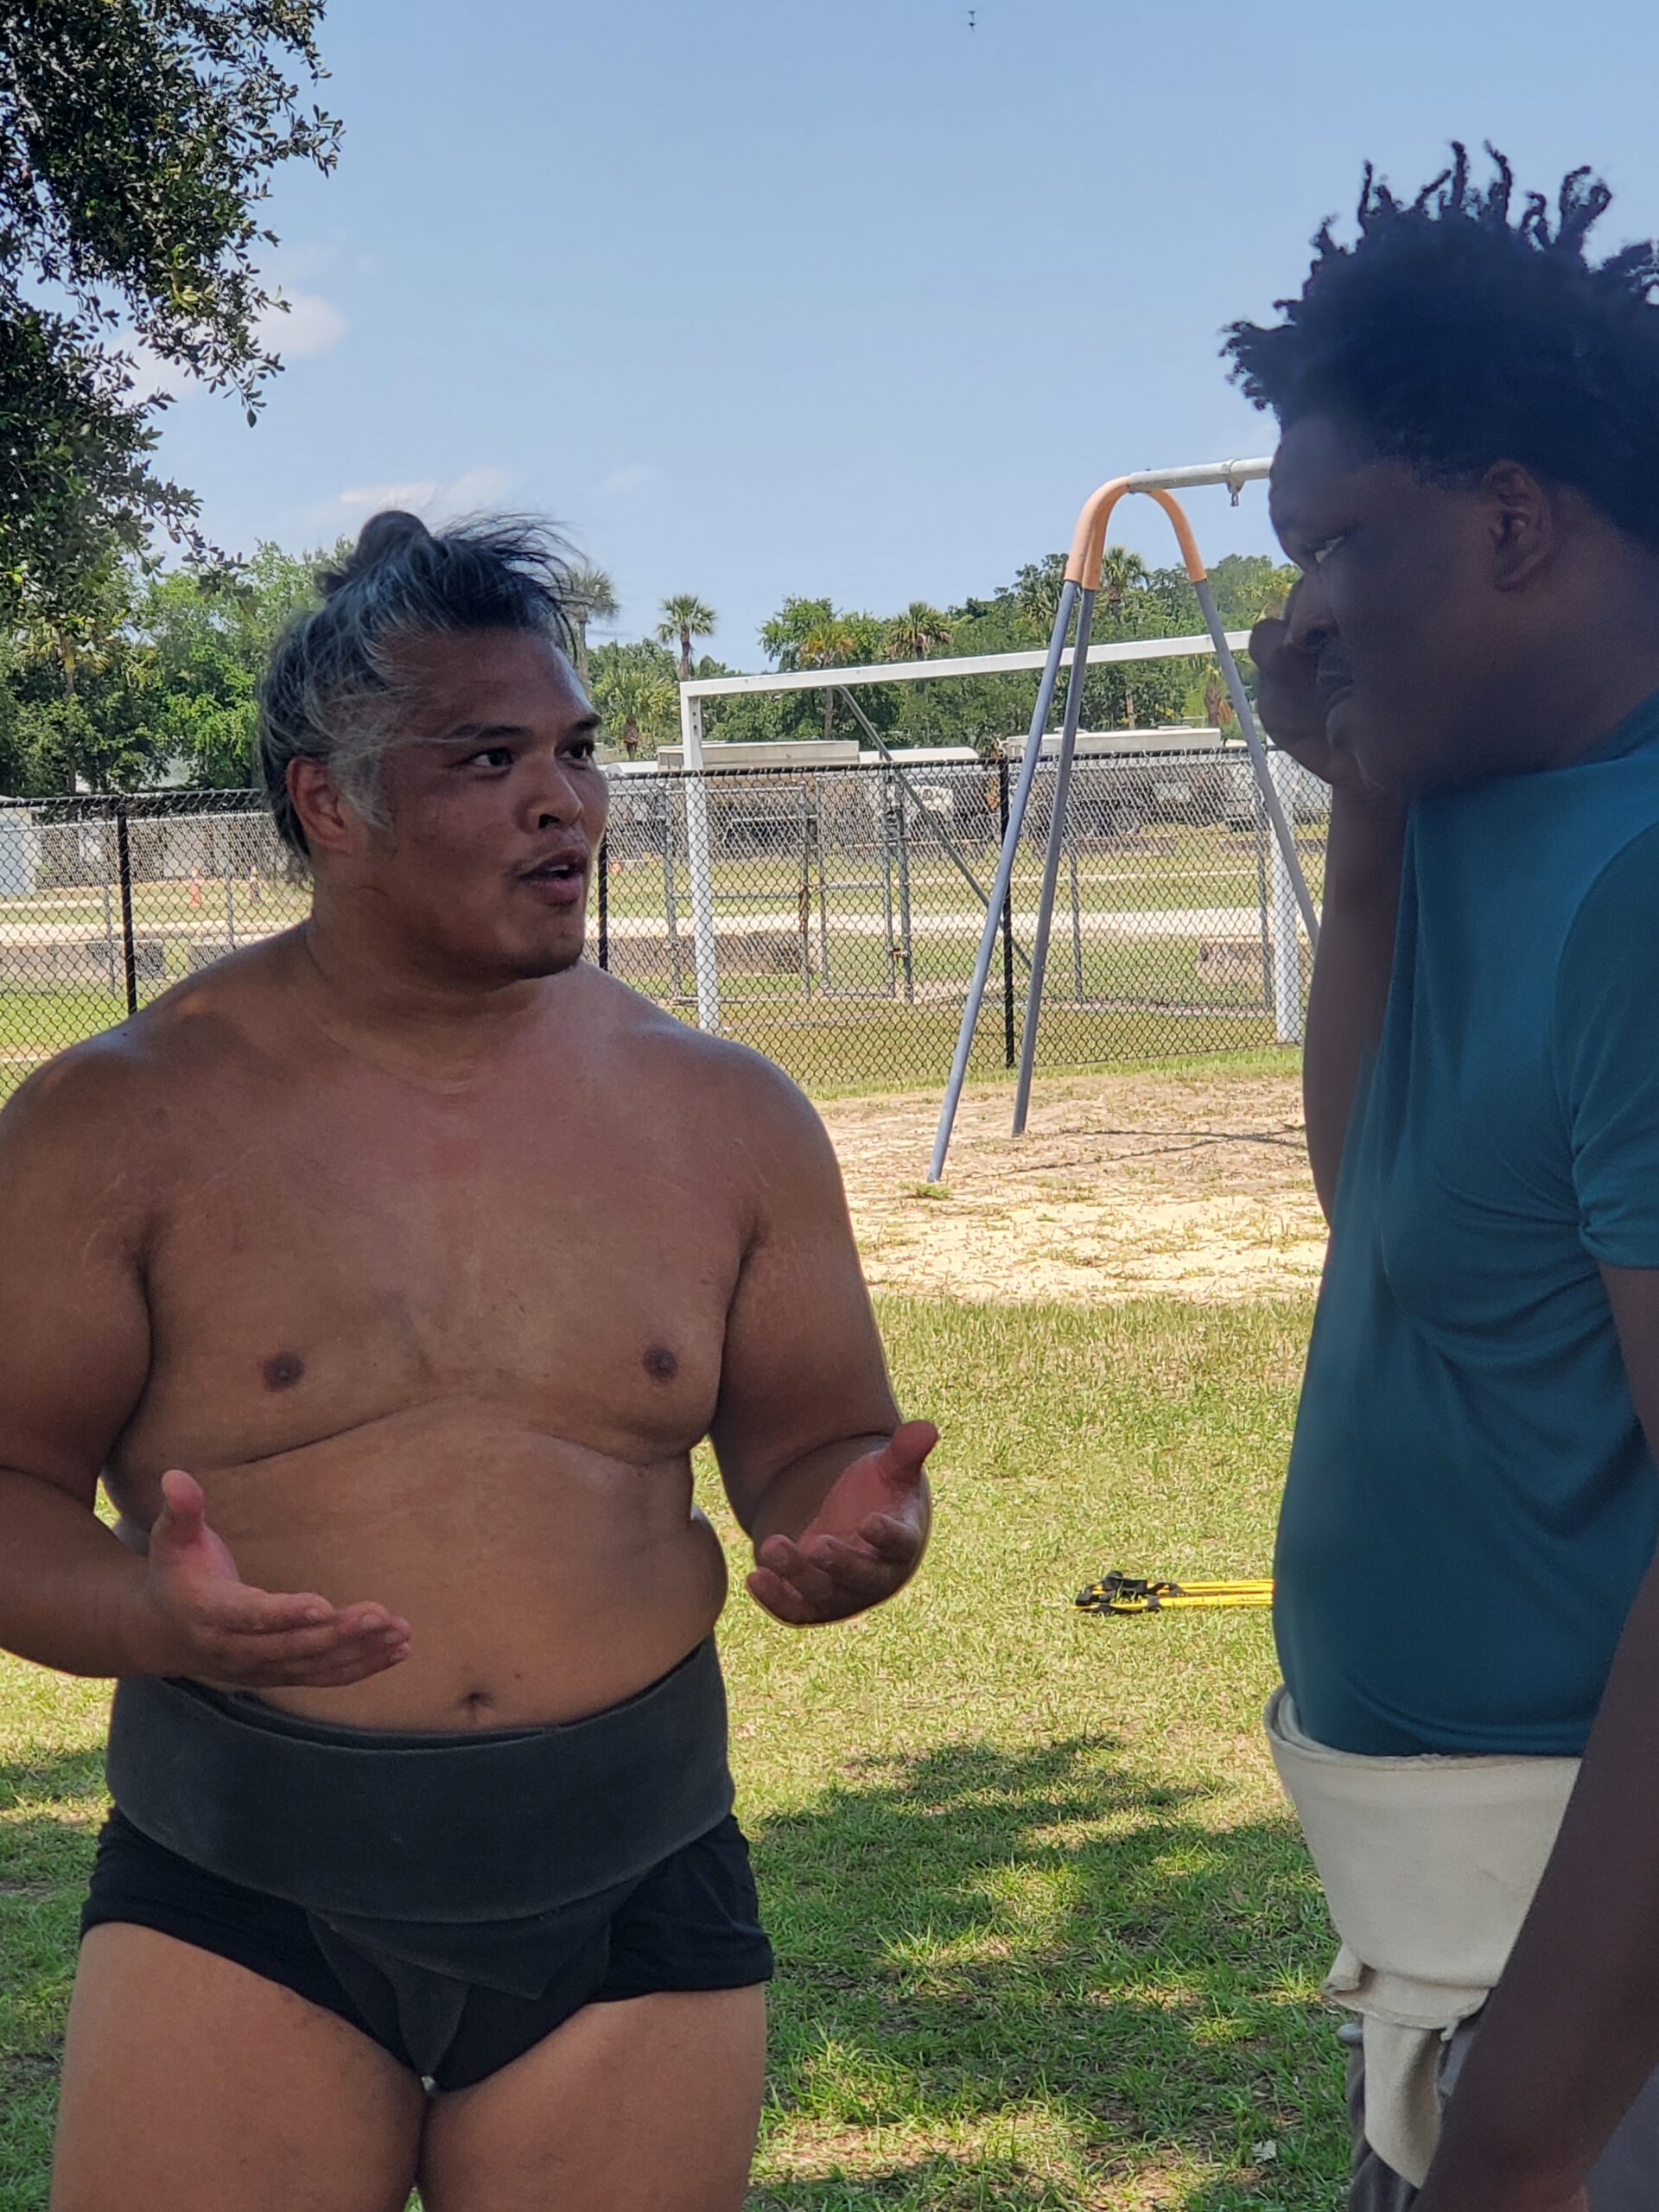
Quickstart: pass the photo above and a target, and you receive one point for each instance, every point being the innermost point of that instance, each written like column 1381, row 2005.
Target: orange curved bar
column 1089, row 541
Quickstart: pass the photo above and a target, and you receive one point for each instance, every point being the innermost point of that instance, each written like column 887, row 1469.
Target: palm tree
column 1218, row 707
column 633, row 692
column 589, row 596
column 684, row 617
column 782, row 632
column 1122, row 571
column 917, row 631
column 829, row 642
column 1036, row 589
column 645, row 698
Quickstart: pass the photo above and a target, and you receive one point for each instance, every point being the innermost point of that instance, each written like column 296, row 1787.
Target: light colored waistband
column 1429, row 1866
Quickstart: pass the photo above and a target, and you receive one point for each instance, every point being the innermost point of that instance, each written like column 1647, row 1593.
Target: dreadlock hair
column 1452, row 334
column 333, row 690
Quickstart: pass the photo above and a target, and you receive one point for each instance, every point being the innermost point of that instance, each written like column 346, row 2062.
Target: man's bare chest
column 332, row 1271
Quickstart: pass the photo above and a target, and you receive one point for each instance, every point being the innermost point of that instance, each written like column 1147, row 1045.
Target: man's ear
column 1523, row 523
column 331, row 823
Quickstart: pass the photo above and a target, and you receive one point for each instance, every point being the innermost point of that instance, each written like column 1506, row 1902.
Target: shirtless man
column 430, row 1254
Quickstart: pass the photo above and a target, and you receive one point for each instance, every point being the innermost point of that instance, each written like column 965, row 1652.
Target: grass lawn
column 1172, row 864
column 834, row 1048
column 1142, row 1002
column 1047, row 1939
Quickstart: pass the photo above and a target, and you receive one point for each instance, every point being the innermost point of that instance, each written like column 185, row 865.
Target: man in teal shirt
column 1471, row 1504
column 1468, row 479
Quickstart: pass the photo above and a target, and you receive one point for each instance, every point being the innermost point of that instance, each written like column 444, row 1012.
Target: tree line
column 136, row 145
column 153, row 677
column 634, row 685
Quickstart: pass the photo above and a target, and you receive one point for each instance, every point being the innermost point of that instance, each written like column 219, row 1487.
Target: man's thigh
column 192, row 2085
column 647, row 2105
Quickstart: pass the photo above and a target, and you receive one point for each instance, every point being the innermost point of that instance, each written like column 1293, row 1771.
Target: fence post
column 897, row 793
column 828, row 983
column 803, row 889
column 603, row 861
column 1077, row 927
column 1008, row 1054
column 124, row 867
column 887, row 882
column 705, row 944
column 1259, row 830
column 109, row 931
column 230, row 908
column 671, row 897
column 1286, row 951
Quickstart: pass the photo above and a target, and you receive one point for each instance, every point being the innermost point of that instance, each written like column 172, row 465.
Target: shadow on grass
column 1029, row 1981
column 1034, row 1980
column 50, row 1809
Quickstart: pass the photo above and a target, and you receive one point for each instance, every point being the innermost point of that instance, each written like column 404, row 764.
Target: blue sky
column 759, row 297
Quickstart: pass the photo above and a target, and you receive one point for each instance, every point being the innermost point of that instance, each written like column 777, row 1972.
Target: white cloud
column 475, row 487
column 623, row 480
column 300, row 325
column 154, row 378
column 427, row 495
column 309, row 326
column 386, row 495
column 291, row 264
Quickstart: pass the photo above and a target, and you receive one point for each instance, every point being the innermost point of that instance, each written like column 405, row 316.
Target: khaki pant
column 1625, row 2179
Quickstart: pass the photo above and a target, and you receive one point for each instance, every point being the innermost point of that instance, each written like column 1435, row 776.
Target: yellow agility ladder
column 1124, row 1594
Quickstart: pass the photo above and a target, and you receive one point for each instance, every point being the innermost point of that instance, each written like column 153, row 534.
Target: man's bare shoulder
column 752, row 1131
column 71, row 1147
column 705, row 1074
column 105, row 1091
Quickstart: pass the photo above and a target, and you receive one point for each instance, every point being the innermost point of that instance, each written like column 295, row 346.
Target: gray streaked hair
column 332, row 692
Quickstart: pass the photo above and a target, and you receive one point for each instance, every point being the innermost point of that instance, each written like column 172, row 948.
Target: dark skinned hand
column 1292, row 705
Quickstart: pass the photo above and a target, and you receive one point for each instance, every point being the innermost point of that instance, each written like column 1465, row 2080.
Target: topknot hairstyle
column 1456, row 332
column 333, row 691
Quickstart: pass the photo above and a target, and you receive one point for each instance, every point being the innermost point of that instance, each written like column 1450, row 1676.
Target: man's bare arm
column 1349, row 993
column 1571, row 2031
column 820, row 1471
column 74, row 1357
column 1360, row 911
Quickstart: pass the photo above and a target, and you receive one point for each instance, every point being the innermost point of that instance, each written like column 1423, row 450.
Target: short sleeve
column 1606, row 1038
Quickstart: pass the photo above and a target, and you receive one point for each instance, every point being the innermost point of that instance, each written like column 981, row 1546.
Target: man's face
column 1400, row 607
column 497, row 805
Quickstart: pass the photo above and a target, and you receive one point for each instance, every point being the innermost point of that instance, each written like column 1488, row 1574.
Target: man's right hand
column 195, row 1616
column 1291, row 706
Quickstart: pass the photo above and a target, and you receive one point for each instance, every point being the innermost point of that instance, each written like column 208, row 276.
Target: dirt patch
column 1123, row 1186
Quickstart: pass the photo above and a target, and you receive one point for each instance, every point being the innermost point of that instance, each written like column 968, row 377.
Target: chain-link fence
column 105, row 902
column 829, row 916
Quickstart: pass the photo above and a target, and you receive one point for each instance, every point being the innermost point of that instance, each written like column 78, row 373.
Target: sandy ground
column 1123, row 1186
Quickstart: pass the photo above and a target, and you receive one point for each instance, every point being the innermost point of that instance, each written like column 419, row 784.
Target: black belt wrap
column 441, row 1829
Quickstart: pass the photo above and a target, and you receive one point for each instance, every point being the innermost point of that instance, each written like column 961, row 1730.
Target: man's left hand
column 864, row 1543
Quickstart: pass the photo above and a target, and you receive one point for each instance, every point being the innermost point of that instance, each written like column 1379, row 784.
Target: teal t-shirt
column 1470, row 1504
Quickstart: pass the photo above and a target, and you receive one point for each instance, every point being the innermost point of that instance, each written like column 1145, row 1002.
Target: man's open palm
column 865, row 1543
column 201, row 1619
